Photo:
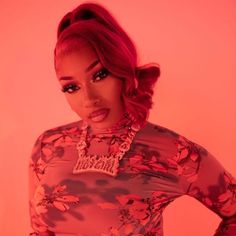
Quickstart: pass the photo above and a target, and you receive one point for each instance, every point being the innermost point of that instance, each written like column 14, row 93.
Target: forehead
column 78, row 57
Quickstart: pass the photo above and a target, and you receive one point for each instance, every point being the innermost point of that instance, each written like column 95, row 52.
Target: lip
column 100, row 112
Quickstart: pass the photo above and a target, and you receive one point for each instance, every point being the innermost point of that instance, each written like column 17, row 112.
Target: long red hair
column 116, row 51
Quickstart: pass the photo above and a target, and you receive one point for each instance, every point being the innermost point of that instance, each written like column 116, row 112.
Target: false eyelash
column 69, row 86
column 102, row 73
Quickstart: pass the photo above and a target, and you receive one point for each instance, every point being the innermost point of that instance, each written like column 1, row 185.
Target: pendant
column 107, row 164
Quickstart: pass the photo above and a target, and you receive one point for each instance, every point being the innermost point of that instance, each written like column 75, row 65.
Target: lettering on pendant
column 99, row 164
column 109, row 166
column 79, row 164
column 86, row 165
column 92, row 161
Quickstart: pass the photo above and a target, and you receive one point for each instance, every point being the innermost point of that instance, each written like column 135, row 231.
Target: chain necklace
column 108, row 163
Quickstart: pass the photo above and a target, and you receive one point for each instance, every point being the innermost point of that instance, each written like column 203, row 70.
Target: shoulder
column 165, row 139
column 179, row 154
column 71, row 129
column 157, row 133
column 157, row 129
column 52, row 142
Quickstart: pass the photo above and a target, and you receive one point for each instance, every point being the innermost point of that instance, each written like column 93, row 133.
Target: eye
column 70, row 88
column 100, row 75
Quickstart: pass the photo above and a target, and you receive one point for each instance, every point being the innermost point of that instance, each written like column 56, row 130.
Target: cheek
column 74, row 102
column 118, row 88
column 114, row 94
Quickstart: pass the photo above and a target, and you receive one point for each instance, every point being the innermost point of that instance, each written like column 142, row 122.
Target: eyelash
column 71, row 88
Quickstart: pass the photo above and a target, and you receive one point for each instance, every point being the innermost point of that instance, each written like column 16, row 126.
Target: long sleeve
column 160, row 167
column 210, row 184
column 36, row 169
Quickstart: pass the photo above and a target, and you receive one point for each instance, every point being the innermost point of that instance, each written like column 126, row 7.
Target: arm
column 36, row 168
column 208, row 182
column 42, row 234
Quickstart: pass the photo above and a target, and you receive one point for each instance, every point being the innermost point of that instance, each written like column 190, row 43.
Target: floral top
column 160, row 166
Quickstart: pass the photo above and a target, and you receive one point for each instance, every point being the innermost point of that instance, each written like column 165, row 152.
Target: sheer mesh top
column 160, row 166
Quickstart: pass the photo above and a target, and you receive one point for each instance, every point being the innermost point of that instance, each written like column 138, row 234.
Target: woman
column 113, row 172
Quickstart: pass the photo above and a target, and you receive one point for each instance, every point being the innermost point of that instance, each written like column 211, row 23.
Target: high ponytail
column 95, row 12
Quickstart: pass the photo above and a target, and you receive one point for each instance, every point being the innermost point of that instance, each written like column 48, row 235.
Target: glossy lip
column 98, row 112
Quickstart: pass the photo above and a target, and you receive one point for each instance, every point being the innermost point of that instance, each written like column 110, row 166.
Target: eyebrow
column 90, row 67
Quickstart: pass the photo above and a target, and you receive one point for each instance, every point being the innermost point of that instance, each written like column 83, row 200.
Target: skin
column 89, row 89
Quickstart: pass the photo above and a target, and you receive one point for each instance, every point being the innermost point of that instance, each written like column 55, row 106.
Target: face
column 91, row 91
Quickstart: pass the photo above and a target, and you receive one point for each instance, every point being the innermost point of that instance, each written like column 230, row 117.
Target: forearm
column 227, row 227
column 211, row 184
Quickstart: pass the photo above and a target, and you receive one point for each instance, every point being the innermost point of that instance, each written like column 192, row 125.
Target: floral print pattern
column 139, row 163
column 135, row 211
column 59, row 199
column 147, row 182
column 228, row 198
column 187, row 152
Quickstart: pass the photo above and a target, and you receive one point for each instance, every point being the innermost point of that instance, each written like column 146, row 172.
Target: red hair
column 116, row 51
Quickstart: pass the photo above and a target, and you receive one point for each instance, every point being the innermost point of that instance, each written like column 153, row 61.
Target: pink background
column 193, row 41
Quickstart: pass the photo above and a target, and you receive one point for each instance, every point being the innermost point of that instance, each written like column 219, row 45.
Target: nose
column 90, row 98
